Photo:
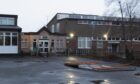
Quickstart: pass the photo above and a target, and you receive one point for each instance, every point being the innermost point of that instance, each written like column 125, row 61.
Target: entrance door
column 113, row 47
column 43, row 46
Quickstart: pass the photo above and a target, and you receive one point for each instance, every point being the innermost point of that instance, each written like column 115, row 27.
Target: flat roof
column 8, row 15
column 61, row 16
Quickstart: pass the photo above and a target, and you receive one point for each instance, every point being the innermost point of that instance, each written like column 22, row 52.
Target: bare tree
column 128, row 11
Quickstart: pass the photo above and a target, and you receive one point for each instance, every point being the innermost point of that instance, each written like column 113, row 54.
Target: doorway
column 113, row 47
column 43, row 46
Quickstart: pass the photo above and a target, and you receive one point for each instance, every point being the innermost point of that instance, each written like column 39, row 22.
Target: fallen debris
column 101, row 68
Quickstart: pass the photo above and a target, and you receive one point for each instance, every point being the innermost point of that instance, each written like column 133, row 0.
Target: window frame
column 84, row 42
column 99, row 44
column 7, row 21
column 10, row 35
column 2, row 35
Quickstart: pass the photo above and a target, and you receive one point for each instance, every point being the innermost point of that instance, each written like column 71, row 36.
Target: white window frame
column 99, row 44
column 53, row 28
column 3, row 37
column 62, row 16
column 84, row 42
column 11, row 38
column 7, row 21
column 83, row 22
column 57, row 27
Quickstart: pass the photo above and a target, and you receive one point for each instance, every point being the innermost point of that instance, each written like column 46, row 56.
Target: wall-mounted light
column 105, row 36
column 71, row 35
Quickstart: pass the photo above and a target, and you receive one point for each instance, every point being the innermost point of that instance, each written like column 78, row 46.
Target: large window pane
column 14, row 34
column 52, row 28
column 88, row 41
column 14, row 40
column 7, row 21
column 99, row 44
column 41, row 49
column 57, row 27
column 84, row 42
column 7, row 40
column 46, row 44
column 7, row 34
column 46, row 49
column 10, row 21
column 1, row 40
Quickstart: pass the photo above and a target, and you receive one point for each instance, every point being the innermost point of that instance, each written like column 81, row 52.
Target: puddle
column 19, row 61
column 68, row 83
column 47, row 73
column 137, row 74
column 35, row 83
column 97, row 81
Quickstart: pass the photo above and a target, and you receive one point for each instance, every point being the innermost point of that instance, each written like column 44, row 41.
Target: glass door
column 43, row 46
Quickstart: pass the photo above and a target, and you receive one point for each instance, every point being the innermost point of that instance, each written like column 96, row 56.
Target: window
column 81, row 17
column 129, row 39
column 46, row 49
column 7, row 21
column 43, row 37
column 84, row 42
column 115, row 23
column 57, row 27
column 14, row 39
column 99, row 38
column 110, row 48
column 99, row 44
column 41, row 44
column 41, row 49
column 7, row 39
column 88, row 42
column 10, row 21
column 109, row 38
column 75, row 16
column 52, row 29
column 83, row 22
column 113, row 38
column 62, row 16
column 93, row 22
column 46, row 44
column 117, row 38
column 52, row 44
column 99, row 22
column 1, row 39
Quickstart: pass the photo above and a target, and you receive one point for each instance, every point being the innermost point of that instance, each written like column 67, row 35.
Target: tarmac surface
column 51, row 70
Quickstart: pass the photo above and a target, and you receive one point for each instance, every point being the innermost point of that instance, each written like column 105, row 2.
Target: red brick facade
column 90, row 30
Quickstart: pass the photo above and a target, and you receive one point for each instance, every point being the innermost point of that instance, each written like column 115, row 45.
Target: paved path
column 52, row 71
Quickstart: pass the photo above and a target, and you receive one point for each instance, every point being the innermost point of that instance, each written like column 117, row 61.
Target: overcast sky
column 33, row 14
